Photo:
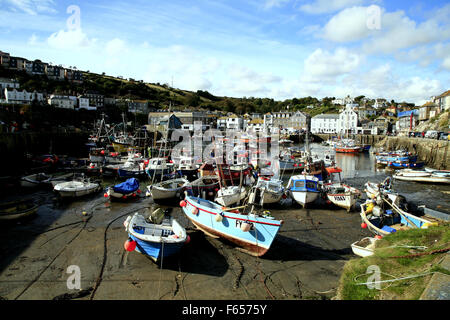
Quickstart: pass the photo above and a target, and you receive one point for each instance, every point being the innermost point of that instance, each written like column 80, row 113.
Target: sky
column 278, row 49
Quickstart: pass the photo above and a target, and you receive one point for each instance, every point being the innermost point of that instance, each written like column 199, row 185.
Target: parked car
column 432, row 134
column 444, row 136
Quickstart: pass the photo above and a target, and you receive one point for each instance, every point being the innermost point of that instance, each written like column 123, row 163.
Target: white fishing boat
column 158, row 166
column 167, row 189
column 76, row 188
column 373, row 189
column 431, row 178
column 444, row 173
column 228, row 196
column 340, row 194
column 304, row 189
column 266, row 191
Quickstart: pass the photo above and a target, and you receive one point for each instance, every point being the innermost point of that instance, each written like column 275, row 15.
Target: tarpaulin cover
column 128, row 186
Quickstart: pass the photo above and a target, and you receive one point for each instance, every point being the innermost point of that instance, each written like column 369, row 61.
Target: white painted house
column 348, row 119
column 22, row 97
column 83, row 103
column 325, row 123
column 64, row 102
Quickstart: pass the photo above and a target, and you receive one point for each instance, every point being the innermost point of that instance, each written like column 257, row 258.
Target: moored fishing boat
column 266, row 191
column 227, row 196
column 430, row 178
column 304, row 189
column 340, row 194
column 76, row 188
column 17, row 209
column 35, row 180
column 167, row 189
column 124, row 190
column 384, row 222
column 159, row 238
column 253, row 233
column 205, row 187
column 157, row 167
column 407, row 164
column 444, row 173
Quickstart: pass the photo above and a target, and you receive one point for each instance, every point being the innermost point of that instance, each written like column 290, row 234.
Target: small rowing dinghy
column 34, row 180
column 17, row 209
column 158, row 238
column 364, row 247
column 167, row 189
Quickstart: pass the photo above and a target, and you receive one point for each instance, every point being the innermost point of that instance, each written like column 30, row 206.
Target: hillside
column 160, row 96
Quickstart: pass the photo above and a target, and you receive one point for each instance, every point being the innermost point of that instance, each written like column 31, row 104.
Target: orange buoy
column 182, row 203
column 364, row 225
column 130, row 245
column 195, row 211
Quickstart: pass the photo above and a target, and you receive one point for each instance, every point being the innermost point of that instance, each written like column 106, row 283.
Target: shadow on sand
column 288, row 249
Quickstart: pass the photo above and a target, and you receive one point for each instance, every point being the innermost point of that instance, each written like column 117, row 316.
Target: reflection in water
column 352, row 165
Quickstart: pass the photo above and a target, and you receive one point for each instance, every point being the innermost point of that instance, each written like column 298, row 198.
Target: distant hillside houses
column 37, row 67
column 14, row 96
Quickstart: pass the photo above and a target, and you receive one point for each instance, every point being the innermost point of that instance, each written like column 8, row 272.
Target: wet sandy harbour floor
column 304, row 262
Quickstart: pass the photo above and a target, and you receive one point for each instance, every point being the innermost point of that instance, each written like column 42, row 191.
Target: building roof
column 327, row 116
column 446, row 93
column 429, row 104
column 256, row 121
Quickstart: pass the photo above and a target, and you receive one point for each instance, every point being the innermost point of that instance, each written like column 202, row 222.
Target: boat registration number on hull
column 240, row 222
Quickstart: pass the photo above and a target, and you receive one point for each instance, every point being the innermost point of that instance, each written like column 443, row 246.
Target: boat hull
column 345, row 200
column 67, row 190
column 17, row 210
column 255, row 241
column 425, row 179
column 156, row 250
column 230, row 199
column 304, row 197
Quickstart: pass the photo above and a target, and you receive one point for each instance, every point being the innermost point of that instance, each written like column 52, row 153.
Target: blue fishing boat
column 396, row 156
column 124, row 190
column 252, row 232
column 304, row 189
column 406, row 164
column 159, row 238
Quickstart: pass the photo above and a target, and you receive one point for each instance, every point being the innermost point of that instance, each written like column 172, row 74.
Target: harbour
column 304, row 261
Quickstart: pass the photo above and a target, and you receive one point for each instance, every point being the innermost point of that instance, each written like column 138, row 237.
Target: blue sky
column 269, row 48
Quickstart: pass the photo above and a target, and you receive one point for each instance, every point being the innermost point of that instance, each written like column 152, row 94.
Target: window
column 299, row 184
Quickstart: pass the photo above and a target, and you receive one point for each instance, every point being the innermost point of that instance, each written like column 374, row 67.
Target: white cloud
column 31, row 7
column 446, row 63
column 397, row 31
column 72, row 39
column 322, row 65
column 347, row 26
column 33, row 40
column 274, row 3
column 327, row 6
